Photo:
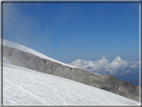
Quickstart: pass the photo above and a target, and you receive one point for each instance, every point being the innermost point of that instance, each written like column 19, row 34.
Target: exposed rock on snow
column 45, row 65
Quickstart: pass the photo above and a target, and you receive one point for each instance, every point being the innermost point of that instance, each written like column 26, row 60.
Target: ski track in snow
column 24, row 86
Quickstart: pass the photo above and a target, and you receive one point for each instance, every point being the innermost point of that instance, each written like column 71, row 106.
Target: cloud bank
column 104, row 66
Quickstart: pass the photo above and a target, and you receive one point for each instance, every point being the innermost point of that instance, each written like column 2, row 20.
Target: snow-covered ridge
column 28, row 50
column 35, row 62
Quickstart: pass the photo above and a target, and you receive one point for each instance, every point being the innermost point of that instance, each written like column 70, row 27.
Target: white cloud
column 117, row 66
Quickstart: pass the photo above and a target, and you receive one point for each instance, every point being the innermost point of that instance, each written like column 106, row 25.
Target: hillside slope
column 23, row 86
column 28, row 58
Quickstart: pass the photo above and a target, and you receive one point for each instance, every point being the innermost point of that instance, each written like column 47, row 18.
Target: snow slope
column 23, row 48
column 23, row 86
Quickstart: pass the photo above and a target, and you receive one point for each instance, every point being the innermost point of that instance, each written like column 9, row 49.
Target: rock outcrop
column 106, row 82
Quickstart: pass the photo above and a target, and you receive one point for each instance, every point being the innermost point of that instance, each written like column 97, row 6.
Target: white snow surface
column 22, row 86
column 6, row 60
column 26, row 49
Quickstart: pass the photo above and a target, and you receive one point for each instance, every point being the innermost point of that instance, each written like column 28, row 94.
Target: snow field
column 22, row 86
column 27, row 87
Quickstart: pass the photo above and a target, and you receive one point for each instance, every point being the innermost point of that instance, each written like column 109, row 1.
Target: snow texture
column 23, row 86
column 35, row 62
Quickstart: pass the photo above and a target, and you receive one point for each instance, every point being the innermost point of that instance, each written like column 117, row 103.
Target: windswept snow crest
column 28, row 50
column 23, row 86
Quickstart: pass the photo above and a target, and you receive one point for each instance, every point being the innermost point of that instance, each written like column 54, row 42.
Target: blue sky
column 71, row 31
